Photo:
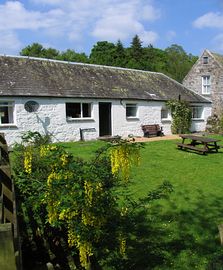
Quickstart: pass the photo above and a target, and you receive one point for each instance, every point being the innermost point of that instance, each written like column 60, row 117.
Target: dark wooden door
column 105, row 119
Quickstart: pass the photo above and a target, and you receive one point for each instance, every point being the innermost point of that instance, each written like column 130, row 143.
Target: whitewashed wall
column 51, row 118
column 199, row 125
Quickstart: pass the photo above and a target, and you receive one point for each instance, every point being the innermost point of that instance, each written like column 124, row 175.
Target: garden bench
column 152, row 130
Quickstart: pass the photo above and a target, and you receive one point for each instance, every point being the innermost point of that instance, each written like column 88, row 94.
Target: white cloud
column 210, row 19
column 150, row 13
column 13, row 16
column 9, row 42
column 79, row 20
column 148, row 37
column 124, row 19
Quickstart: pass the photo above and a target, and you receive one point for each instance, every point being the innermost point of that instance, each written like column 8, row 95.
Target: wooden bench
column 191, row 147
column 152, row 130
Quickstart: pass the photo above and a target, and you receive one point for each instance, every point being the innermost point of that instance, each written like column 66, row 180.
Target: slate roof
column 218, row 57
column 33, row 77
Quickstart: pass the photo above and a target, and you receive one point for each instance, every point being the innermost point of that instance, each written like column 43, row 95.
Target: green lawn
column 184, row 233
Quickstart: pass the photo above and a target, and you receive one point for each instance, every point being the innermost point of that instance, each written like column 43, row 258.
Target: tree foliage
column 37, row 50
column 173, row 61
column 178, row 62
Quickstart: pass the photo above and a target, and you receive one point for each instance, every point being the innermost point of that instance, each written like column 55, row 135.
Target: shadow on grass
column 176, row 239
column 167, row 237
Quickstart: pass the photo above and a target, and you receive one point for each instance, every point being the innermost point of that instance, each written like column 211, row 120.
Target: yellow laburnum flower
column 85, row 251
column 64, row 159
column 122, row 248
column 122, row 157
column 28, row 161
column 88, row 191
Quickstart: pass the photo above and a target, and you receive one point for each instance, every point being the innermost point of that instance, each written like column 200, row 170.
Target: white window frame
column 132, row 105
column 206, row 85
column 168, row 118
column 200, row 114
column 10, row 105
column 81, row 116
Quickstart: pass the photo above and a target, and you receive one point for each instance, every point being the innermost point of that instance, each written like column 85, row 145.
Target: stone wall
column 193, row 80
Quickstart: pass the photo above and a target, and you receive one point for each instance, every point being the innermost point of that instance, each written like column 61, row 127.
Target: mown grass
column 186, row 234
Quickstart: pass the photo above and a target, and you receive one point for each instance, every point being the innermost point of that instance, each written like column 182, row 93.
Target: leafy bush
column 181, row 115
column 71, row 208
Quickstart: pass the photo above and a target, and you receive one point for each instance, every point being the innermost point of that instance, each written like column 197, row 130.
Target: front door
column 104, row 119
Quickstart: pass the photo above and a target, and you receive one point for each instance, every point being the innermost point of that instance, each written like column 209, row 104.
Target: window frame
column 10, row 105
column 82, row 110
column 168, row 118
column 206, row 84
column 200, row 113
column 131, row 105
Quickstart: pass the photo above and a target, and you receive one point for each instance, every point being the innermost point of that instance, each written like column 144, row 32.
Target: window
column 205, row 60
column 131, row 110
column 206, row 85
column 197, row 112
column 6, row 112
column 78, row 110
column 165, row 114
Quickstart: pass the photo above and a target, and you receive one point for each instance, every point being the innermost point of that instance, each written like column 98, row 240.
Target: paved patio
column 151, row 139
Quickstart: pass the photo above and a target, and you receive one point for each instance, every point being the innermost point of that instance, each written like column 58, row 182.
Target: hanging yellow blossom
column 64, row 159
column 122, row 248
column 123, row 156
column 28, row 161
column 88, row 190
column 85, row 251
column 52, row 211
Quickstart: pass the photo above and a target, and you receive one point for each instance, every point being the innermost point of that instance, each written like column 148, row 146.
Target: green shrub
column 181, row 114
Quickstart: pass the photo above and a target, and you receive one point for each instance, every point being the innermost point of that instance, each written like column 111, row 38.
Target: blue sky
column 79, row 24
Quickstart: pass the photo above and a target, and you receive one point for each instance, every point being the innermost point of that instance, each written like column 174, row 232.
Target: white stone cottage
column 206, row 78
column 73, row 100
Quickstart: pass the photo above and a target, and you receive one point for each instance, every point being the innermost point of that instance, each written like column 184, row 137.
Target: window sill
column 79, row 119
column 132, row 118
column 166, row 120
column 8, row 125
column 198, row 119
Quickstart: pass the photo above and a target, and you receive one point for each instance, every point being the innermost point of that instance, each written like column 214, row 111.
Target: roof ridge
column 213, row 54
column 78, row 63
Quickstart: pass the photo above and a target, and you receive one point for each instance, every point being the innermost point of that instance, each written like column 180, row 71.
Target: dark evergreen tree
column 135, row 54
column 119, row 55
column 136, row 48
